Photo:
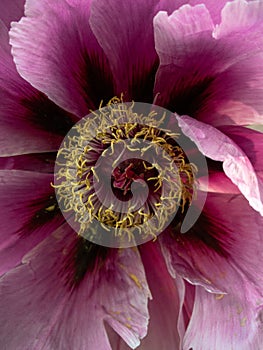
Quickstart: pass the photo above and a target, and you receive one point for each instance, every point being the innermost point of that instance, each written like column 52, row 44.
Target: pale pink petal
column 223, row 250
column 28, row 214
column 247, row 14
column 251, row 142
column 223, row 322
column 166, row 325
column 40, row 310
column 237, row 166
column 55, row 50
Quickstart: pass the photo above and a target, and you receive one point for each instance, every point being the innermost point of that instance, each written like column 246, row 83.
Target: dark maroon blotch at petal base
column 84, row 257
column 45, row 209
column 97, row 81
column 45, row 115
column 29, row 213
column 131, row 53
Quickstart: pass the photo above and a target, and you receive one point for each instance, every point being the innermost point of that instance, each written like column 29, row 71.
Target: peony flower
column 201, row 289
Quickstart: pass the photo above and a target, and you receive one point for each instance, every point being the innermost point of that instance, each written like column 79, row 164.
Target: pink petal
column 214, row 7
column 223, row 250
column 29, row 121
column 11, row 10
column 247, row 14
column 223, row 322
column 187, row 57
column 40, row 311
column 74, row 73
column 251, row 143
column 216, row 80
column 237, row 166
column 24, row 220
column 166, row 328
column 129, row 43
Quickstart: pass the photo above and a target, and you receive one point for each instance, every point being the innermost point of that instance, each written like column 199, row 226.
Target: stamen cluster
column 121, row 173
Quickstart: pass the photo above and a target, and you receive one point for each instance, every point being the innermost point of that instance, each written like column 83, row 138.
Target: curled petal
column 237, row 166
column 214, row 7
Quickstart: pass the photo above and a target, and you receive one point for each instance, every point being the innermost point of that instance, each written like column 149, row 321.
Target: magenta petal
column 223, row 322
column 217, row 182
column 183, row 43
column 11, row 10
column 75, row 70
column 236, row 94
column 39, row 310
column 29, row 121
column 24, row 221
column 216, row 80
column 222, row 251
column 237, row 166
column 128, row 43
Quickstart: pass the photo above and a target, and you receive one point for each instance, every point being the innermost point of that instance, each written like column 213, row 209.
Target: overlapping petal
column 55, row 317
column 222, row 251
column 166, row 326
column 212, row 77
column 128, row 44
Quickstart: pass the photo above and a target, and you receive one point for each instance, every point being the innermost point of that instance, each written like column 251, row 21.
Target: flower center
column 121, row 176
